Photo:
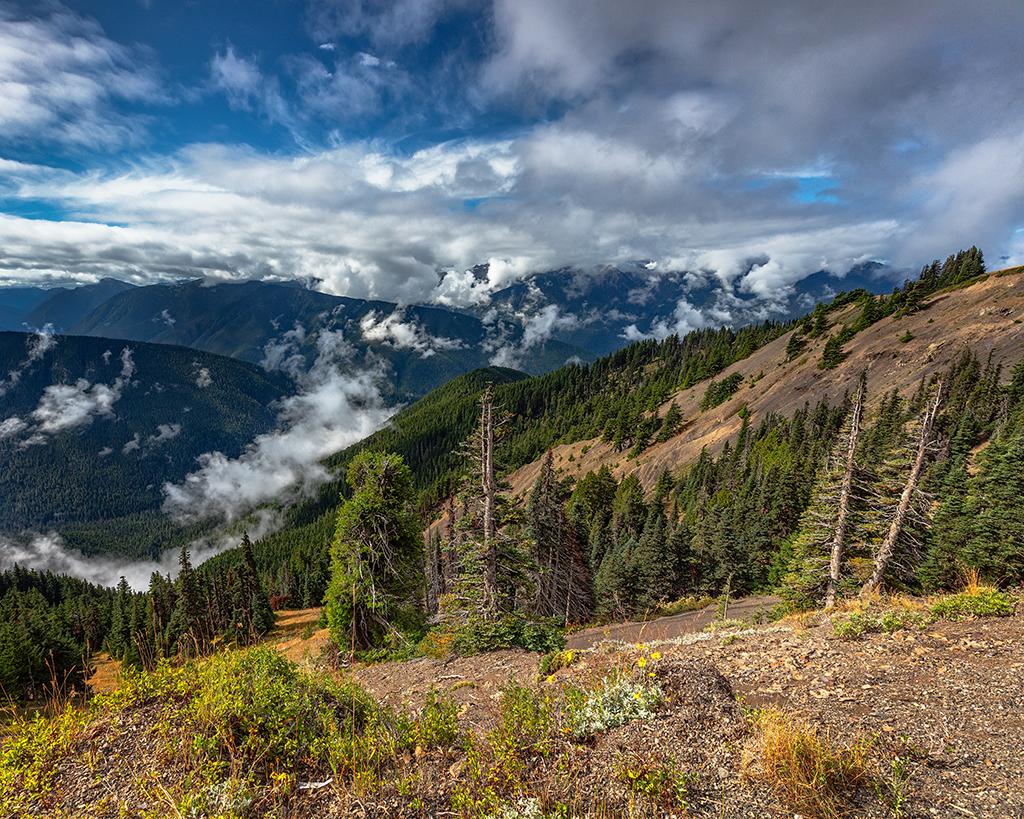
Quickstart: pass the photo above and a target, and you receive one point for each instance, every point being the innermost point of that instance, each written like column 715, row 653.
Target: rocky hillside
column 896, row 353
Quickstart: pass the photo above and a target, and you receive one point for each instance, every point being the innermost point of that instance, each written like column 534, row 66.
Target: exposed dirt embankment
column 986, row 317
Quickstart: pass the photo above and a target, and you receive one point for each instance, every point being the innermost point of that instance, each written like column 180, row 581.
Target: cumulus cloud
column 536, row 329
column 63, row 407
column 335, row 406
column 203, row 377
column 395, row 331
column 670, row 141
column 685, row 319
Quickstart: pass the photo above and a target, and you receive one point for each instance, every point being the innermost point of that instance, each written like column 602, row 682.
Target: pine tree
column 563, row 586
column 653, row 566
column 670, row 423
column 376, row 554
column 187, row 620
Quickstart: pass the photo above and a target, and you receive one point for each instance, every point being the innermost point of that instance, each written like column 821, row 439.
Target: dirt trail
column 668, row 628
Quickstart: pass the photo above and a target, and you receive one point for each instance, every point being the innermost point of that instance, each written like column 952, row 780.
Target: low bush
column 978, row 601
column 684, row 604
column 480, row 635
column 555, row 661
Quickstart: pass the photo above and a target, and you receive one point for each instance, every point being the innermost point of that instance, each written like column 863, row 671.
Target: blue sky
column 385, row 148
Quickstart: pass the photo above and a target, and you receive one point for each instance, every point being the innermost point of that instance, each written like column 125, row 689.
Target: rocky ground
column 938, row 712
column 946, row 701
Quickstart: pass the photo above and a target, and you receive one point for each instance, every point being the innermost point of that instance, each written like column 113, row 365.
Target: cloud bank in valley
column 48, row 552
column 336, row 405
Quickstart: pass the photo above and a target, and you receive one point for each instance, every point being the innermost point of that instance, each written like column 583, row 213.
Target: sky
column 385, row 148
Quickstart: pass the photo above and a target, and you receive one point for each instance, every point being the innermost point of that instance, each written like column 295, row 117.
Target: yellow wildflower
column 656, row 655
column 642, row 662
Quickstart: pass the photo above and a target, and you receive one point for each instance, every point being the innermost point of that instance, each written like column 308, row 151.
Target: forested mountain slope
column 91, row 428
column 424, row 347
column 615, row 412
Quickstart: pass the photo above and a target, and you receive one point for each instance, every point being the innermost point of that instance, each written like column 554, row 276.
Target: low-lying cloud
column 337, row 404
column 37, row 345
column 48, row 552
column 67, row 406
column 395, row 330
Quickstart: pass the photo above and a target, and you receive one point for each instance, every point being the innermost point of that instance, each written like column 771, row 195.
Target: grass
column 814, row 777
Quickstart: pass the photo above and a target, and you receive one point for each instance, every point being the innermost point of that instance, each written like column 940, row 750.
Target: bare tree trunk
column 842, row 518
column 885, row 551
column 487, row 485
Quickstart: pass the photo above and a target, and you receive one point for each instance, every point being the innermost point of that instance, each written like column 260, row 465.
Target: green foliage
column 661, row 783
column 479, row 635
column 616, row 701
column 376, row 554
column 795, row 346
column 718, row 392
column 49, row 626
column 555, row 661
column 860, row 623
column 983, row 601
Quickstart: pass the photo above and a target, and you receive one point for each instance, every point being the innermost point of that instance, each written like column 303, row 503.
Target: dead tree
column 903, row 508
column 488, row 489
column 845, row 492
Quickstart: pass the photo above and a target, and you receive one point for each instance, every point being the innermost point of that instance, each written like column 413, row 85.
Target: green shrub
column 555, row 661
column 983, row 601
column 481, row 635
column 438, row 725
column 661, row 783
column 862, row 622
column 684, row 604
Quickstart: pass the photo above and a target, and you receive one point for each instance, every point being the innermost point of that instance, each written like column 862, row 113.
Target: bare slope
column 986, row 317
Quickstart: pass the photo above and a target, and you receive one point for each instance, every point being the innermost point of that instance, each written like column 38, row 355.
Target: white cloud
column 37, row 345
column 61, row 77
column 396, row 332
column 164, row 433
column 165, row 317
column 203, row 377
column 48, row 552
column 335, row 407
column 12, row 427
column 63, row 407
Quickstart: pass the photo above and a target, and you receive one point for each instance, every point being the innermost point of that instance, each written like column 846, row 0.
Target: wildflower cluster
column 614, row 702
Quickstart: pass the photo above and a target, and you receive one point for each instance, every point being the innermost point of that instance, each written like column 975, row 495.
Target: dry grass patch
column 814, row 776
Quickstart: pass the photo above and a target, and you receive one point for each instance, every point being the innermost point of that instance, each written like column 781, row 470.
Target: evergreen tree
column 670, row 423
column 186, row 624
column 376, row 554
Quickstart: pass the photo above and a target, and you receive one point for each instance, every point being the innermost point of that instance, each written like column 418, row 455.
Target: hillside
column 65, row 308
column 93, row 427
column 987, row 318
column 612, row 414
